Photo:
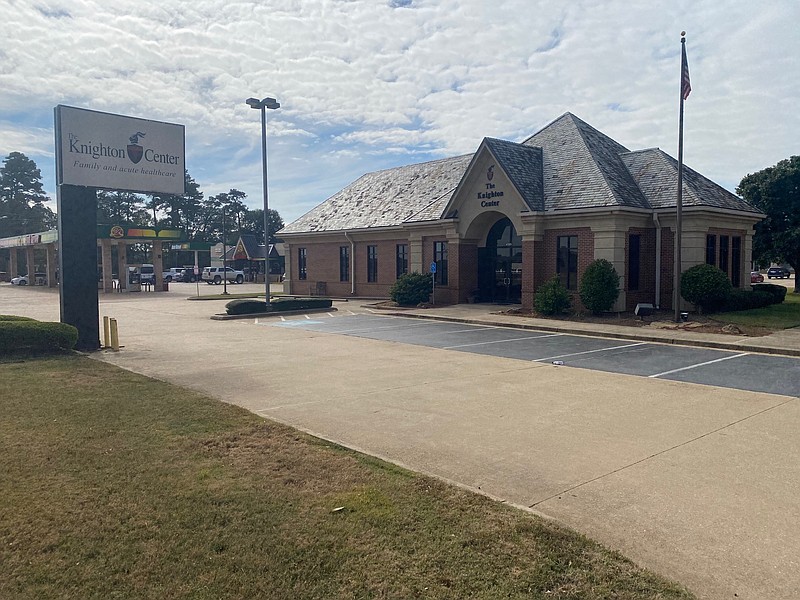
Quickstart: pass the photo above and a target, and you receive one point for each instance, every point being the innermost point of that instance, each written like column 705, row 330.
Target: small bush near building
column 705, row 286
column 551, row 298
column 599, row 288
column 248, row 306
column 746, row 300
column 411, row 289
column 777, row 292
column 24, row 335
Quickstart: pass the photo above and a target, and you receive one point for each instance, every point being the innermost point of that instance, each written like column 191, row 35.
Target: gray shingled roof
column 385, row 198
column 656, row 174
column 582, row 167
column 567, row 165
column 524, row 167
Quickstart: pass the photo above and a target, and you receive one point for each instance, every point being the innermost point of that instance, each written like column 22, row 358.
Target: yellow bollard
column 114, row 336
column 106, row 333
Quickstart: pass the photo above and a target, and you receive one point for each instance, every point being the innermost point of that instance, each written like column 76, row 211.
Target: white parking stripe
column 529, row 337
column 590, row 351
column 702, row 364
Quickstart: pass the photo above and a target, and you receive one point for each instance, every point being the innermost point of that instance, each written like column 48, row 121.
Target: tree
column 121, row 208
column 775, row 191
column 22, row 197
column 253, row 222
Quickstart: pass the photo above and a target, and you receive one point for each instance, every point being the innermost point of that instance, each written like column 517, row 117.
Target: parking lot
column 739, row 370
column 699, row 482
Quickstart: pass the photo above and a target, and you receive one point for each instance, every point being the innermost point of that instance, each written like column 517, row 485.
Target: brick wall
column 667, row 267
column 467, row 270
column 549, row 256
column 322, row 265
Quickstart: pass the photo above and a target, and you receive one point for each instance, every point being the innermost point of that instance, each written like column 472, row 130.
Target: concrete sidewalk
column 701, row 484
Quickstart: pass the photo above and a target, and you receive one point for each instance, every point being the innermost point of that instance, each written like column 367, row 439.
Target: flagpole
column 685, row 89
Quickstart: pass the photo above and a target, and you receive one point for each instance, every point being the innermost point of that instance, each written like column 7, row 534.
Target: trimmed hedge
column 744, row 300
column 778, row 292
column 14, row 318
column 248, row 306
column 19, row 334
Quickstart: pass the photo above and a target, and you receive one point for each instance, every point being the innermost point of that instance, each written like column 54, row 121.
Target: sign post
column 433, row 282
column 102, row 150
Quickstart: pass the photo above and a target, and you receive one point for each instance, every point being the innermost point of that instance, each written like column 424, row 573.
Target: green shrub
column 14, row 318
column 21, row 335
column 744, row 300
column 551, row 298
column 411, row 289
column 777, row 292
column 599, row 287
column 280, row 304
column 249, row 306
column 706, row 286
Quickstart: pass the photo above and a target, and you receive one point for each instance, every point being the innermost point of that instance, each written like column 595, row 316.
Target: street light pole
column 224, row 256
column 262, row 105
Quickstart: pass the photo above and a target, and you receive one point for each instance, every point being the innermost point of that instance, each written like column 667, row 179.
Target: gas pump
column 134, row 279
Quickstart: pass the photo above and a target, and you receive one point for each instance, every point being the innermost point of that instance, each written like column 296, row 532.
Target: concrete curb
column 221, row 317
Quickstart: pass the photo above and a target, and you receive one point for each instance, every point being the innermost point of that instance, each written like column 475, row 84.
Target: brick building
column 500, row 222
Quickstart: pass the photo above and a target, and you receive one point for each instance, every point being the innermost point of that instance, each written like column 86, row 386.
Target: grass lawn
column 118, row 486
column 777, row 316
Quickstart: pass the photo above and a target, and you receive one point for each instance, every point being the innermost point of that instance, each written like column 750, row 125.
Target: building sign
column 118, row 232
column 486, row 197
column 104, row 150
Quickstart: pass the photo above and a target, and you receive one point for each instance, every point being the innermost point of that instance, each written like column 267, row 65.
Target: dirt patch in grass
column 118, row 486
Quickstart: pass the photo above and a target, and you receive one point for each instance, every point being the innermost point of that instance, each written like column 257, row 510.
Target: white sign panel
column 103, row 150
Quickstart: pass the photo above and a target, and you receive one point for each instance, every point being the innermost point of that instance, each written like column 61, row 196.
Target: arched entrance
column 500, row 264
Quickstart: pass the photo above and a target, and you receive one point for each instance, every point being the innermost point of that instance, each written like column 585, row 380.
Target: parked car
column 188, row 274
column 756, row 277
column 173, row 274
column 21, row 280
column 215, row 275
column 778, row 273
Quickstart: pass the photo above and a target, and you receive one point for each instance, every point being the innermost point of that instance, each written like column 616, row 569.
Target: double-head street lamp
column 262, row 105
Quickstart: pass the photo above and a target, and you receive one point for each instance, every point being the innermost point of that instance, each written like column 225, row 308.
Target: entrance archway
column 500, row 264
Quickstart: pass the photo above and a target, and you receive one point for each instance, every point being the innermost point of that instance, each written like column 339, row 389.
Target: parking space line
column 591, row 351
column 528, row 337
column 702, row 364
column 395, row 326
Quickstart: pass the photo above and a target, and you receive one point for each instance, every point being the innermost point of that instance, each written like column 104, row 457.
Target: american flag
column 686, row 86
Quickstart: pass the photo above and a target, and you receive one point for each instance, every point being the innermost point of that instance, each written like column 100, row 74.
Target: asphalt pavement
column 696, row 481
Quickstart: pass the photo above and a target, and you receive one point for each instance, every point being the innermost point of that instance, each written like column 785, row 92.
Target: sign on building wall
column 104, row 150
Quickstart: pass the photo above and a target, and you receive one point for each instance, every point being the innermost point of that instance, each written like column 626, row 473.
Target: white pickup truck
column 215, row 275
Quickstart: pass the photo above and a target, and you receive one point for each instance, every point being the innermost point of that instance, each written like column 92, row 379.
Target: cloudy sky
column 371, row 84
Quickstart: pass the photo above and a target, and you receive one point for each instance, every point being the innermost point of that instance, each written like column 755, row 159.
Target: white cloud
column 366, row 84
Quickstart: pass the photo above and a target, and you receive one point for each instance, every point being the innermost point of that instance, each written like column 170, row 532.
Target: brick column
column 158, row 265
column 122, row 265
column 30, row 265
column 13, row 263
column 105, row 253
column 52, row 264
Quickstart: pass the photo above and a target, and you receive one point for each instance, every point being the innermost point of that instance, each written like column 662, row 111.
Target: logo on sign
column 117, row 232
column 490, row 173
column 135, row 151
